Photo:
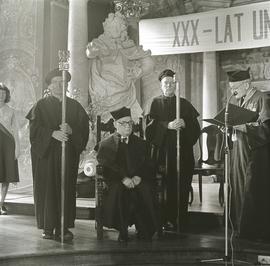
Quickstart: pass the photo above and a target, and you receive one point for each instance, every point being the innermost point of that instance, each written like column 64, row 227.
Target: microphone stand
column 226, row 259
column 178, row 157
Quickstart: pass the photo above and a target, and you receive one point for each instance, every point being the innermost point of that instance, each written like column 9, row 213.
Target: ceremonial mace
column 177, row 92
column 64, row 67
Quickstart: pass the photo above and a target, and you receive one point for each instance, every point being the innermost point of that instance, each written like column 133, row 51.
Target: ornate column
column 209, row 107
column 77, row 41
column 210, row 90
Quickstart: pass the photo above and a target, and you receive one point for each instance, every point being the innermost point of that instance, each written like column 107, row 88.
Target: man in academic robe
column 250, row 161
column 129, row 174
column 46, row 135
column 161, row 131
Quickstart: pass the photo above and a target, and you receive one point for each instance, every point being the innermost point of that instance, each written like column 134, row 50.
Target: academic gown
column 162, row 111
column 250, row 171
column 124, row 207
column 45, row 117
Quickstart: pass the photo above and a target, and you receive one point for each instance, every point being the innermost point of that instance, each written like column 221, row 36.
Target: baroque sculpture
column 116, row 63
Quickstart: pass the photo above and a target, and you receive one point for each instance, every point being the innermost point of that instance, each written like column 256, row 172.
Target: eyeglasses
column 168, row 83
column 125, row 123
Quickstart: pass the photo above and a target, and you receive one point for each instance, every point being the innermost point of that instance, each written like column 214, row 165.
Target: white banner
column 239, row 27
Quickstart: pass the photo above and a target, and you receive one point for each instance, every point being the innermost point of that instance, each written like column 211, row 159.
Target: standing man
column 129, row 175
column 161, row 131
column 46, row 135
column 250, row 161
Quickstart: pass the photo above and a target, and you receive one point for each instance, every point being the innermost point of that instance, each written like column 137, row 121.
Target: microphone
column 227, row 104
column 226, row 118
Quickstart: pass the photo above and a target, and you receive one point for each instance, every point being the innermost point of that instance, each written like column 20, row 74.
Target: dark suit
column 124, row 207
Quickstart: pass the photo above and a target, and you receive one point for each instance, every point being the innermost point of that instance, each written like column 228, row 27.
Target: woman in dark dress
column 9, row 146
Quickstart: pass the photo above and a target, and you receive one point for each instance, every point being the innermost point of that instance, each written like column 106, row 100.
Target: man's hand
column 222, row 128
column 128, row 183
column 66, row 128
column 136, row 180
column 177, row 124
column 60, row 135
column 241, row 128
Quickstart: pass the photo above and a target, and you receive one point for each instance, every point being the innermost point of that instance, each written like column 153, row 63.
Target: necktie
column 124, row 139
column 241, row 101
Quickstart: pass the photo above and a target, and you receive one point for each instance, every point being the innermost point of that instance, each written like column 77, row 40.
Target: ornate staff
column 177, row 92
column 63, row 66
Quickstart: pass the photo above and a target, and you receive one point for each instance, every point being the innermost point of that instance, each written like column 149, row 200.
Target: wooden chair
column 214, row 164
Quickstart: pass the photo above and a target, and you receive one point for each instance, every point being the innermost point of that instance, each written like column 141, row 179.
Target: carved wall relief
column 18, row 52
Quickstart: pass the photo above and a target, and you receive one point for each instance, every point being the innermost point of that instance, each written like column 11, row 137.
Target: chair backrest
column 109, row 127
column 213, row 137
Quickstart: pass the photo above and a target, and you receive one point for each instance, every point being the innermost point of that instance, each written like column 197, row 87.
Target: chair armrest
column 99, row 188
column 99, row 170
column 99, row 184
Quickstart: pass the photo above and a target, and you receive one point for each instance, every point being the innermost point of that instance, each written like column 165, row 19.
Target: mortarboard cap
column 238, row 75
column 122, row 112
column 166, row 73
column 55, row 73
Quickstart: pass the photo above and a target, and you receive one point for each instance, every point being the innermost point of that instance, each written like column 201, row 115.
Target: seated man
column 128, row 173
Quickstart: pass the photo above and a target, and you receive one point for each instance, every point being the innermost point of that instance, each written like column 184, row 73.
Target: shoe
column 169, row 227
column 47, row 234
column 3, row 210
column 68, row 235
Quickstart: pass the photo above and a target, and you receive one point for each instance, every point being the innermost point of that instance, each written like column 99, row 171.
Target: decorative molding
column 132, row 8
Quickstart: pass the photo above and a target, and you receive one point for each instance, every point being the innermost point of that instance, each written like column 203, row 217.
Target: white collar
column 124, row 139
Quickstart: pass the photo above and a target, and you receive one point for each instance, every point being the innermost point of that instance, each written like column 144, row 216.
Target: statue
column 116, row 64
